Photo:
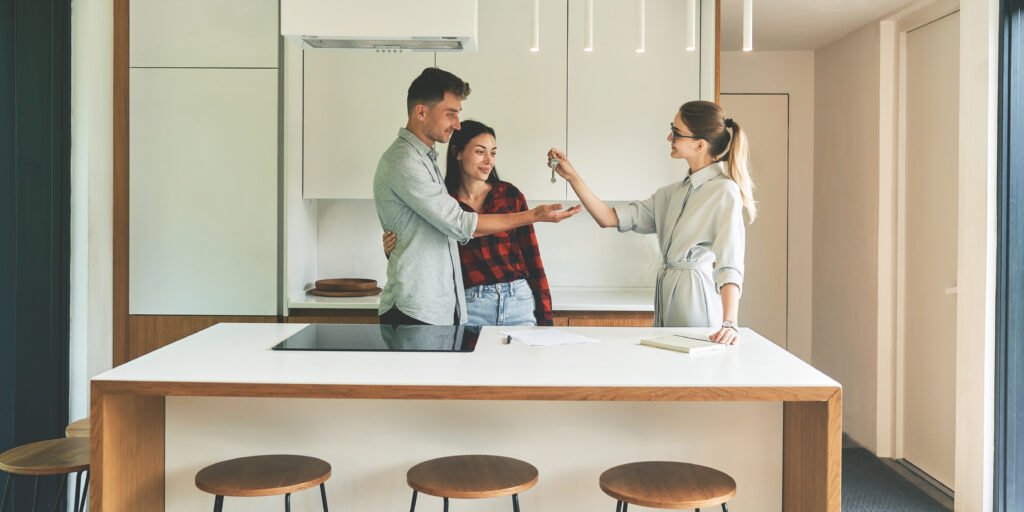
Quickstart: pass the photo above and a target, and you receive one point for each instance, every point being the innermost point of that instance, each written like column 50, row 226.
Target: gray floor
column 869, row 485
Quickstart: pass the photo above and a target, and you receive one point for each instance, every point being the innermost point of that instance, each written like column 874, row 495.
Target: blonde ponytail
column 738, row 166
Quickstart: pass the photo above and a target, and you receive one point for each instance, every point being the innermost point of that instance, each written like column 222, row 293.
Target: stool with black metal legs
column 78, row 428
column 264, row 475
column 672, row 485
column 52, row 457
column 470, row 477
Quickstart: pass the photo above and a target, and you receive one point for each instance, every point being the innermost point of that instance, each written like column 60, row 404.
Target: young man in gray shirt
column 424, row 283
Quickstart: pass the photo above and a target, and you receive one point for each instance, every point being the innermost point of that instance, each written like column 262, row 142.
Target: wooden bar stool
column 52, row 457
column 470, row 477
column 673, row 485
column 263, row 475
column 79, row 428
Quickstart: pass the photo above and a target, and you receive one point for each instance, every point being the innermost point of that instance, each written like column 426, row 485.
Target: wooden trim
column 120, row 181
column 147, row 333
column 414, row 392
column 718, row 51
column 812, row 448
column 126, row 452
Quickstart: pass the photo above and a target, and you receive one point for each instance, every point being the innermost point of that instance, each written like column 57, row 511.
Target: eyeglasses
column 677, row 135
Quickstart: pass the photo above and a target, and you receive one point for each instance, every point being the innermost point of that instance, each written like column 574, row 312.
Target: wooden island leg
column 812, row 448
column 126, row 452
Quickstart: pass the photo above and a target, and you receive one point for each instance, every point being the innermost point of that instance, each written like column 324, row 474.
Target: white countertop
column 562, row 299
column 241, row 353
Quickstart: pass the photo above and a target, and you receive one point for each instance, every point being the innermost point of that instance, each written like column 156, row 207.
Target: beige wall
column 792, row 73
column 845, row 241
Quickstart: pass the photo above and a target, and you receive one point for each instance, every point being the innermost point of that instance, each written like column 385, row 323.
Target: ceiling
column 790, row 25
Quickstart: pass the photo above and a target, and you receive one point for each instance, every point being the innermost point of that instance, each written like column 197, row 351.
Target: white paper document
column 547, row 337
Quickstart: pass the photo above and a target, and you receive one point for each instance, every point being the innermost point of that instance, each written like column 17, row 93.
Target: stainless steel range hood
column 383, row 26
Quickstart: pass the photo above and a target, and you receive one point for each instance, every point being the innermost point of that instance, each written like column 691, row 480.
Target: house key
column 553, row 163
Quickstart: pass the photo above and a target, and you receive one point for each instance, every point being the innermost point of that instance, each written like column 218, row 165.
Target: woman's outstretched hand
column 554, row 212
column 389, row 242
column 565, row 168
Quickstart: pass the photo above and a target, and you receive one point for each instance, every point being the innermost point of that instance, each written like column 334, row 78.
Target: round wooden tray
column 329, row 293
column 346, row 285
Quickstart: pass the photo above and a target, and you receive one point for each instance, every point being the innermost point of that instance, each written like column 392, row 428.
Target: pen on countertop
column 691, row 337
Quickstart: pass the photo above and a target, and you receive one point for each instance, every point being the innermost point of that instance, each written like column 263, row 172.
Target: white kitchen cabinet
column 621, row 102
column 354, row 104
column 203, row 187
column 519, row 93
column 204, row 33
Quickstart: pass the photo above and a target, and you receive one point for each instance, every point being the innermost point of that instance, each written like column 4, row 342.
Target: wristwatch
column 729, row 324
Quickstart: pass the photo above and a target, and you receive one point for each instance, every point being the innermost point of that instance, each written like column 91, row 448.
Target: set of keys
column 553, row 163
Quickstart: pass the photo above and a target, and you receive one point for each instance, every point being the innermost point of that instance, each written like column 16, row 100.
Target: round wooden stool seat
column 79, row 428
column 263, row 475
column 674, row 485
column 52, row 457
column 472, row 476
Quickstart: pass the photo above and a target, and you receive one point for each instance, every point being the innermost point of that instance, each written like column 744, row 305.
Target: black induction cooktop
column 383, row 338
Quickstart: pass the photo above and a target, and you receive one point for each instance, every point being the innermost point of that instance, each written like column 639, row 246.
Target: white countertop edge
column 563, row 298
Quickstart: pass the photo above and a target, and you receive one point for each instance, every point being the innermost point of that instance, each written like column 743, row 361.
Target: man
column 424, row 274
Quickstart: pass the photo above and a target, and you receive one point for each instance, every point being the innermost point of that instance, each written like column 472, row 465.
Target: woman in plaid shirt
column 503, row 273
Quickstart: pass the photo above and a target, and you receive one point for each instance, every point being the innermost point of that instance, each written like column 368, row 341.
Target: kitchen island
column 754, row 411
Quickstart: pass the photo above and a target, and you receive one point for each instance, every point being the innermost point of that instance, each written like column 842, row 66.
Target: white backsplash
column 576, row 252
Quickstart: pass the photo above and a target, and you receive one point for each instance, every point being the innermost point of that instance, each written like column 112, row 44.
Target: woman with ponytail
column 699, row 221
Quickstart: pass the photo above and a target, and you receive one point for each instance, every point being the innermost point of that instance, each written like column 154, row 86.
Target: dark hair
column 429, row 88
column 458, row 142
column 728, row 143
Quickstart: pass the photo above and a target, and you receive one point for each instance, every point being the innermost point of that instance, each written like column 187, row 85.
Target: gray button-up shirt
column 424, row 272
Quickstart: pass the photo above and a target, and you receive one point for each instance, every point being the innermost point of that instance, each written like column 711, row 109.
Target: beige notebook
column 681, row 344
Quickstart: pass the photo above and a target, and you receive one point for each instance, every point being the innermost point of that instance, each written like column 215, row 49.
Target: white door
column 765, row 120
column 930, row 239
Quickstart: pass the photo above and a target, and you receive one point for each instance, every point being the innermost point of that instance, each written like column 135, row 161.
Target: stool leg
column 618, row 506
column 78, row 490
column 218, row 503
column 323, row 496
column 35, row 496
column 288, row 502
column 624, row 505
column 725, row 508
column 7, row 488
column 446, row 505
column 515, row 502
column 60, row 491
column 411, row 509
column 85, row 492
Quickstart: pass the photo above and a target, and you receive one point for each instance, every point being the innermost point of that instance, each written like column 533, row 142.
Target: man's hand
column 389, row 242
column 554, row 212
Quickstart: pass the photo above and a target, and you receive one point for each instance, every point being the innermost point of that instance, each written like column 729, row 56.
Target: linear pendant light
column 536, row 26
column 588, row 27
column 641, row 45
column 691, row 25
column 748, row 25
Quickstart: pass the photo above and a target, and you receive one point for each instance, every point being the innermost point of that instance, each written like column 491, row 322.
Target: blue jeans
column 501, row 304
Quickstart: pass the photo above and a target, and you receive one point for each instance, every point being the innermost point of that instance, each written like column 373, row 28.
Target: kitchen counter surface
column 563, row 299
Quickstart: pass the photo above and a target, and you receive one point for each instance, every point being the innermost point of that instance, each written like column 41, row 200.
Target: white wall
column 91, row 197
column 792, row 73
column 576, row 252
column 845, row 242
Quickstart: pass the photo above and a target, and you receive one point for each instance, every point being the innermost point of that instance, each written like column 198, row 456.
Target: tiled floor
column 869, row 485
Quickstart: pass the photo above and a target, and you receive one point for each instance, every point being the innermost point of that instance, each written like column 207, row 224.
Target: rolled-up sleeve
column 730, row 240
column 637, row 216
column 431, row 201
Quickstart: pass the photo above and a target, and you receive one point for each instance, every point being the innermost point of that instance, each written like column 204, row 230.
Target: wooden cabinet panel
column 204, row 33
column 333, row 316
column 147, row 333
column 610, row 318
column 621, row 103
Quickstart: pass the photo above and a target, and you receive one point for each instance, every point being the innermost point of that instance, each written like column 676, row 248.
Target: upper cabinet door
column 204, row 33
column 354, row 104
column 519, row 93
column 621, row 102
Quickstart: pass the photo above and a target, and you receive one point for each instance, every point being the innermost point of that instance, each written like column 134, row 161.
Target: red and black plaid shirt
column 507, row 256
